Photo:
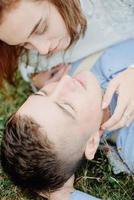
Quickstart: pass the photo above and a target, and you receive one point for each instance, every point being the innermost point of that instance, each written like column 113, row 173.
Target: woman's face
column 35, row 25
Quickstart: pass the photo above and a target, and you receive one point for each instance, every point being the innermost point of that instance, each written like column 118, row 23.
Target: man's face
column 69, row 111
column 35, row 25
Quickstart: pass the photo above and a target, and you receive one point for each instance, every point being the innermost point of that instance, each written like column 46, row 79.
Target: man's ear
column 92, row 145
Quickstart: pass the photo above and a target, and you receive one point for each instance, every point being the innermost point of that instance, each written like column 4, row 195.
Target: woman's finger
column 111, row 89
column 131, row 119
column 118, row 113
column 130, row 114
column 126, row 119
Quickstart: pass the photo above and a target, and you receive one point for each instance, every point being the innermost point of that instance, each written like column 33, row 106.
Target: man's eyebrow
column 35, row 27
column 65, row 111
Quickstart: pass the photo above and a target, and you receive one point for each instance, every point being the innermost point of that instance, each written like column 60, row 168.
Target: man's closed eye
column 67, row 109
column 41, row 93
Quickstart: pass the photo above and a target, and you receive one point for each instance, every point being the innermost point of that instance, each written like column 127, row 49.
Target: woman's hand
column 123, row 115
column 52, row 75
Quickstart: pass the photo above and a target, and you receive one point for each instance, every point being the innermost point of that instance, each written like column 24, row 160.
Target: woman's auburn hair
column 71, row 13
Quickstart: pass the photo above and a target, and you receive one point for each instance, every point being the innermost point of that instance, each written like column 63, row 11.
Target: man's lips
column 80, row 80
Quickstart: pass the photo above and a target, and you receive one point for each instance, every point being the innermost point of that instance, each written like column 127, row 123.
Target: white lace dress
column 109, row 22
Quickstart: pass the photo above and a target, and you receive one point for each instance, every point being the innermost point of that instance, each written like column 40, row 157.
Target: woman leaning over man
column 60, row 33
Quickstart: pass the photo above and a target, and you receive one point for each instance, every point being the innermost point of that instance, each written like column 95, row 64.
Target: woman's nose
column 41, row 45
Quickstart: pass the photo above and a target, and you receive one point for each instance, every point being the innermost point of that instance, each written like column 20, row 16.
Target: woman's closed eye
column 42, row 28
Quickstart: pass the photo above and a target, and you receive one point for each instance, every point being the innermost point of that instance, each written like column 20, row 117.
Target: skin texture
column 49, row 37
column 78, row 97
column 124, row 112
column 71, row 101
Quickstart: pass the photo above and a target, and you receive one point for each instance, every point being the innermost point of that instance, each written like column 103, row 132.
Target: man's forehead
column 43, row 109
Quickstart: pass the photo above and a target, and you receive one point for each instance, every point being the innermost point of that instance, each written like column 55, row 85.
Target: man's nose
column 65, row 85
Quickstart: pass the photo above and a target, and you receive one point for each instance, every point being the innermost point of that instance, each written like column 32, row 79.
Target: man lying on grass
column 48, row 137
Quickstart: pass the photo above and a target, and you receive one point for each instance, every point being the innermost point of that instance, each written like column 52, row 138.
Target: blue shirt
column 115, row 60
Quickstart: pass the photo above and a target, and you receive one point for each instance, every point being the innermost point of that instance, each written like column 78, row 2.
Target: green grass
column 94, row 177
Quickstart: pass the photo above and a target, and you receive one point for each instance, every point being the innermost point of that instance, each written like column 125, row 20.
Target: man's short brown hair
column 30, row 159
